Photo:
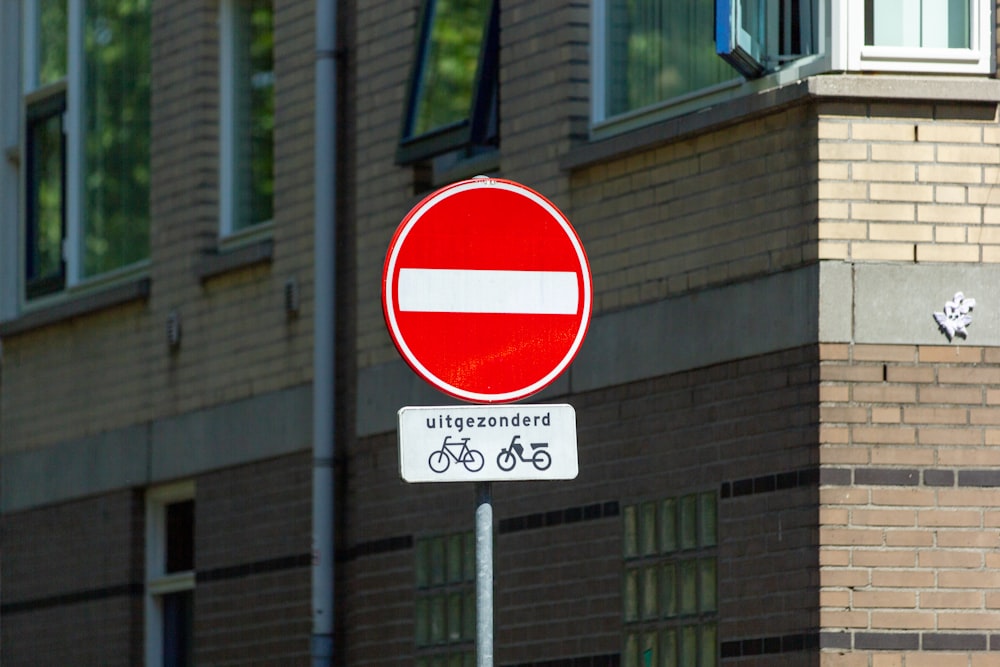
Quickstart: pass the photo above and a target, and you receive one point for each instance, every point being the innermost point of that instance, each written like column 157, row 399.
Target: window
column 445, row 618
column 670, row 587
column 657, row 58
column 86, row 167
column 170, row 578
column 653, row 51
column 247, row 114
column 953, row 36
column 454, row 93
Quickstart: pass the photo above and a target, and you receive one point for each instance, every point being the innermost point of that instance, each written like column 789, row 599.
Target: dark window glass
column 180, row 536
column 178, row 623
column 46, row 196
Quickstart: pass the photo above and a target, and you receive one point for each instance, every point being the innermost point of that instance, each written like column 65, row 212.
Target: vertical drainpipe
column 324, row 333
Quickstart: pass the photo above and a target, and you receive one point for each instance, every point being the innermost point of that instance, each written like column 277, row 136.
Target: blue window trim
column 734, row 44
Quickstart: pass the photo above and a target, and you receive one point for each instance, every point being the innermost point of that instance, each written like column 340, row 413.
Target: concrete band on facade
column 829, row 302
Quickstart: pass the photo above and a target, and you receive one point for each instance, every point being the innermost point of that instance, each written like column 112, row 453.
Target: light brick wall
column 908, row 183
column 910, row 501
column 113, row 368
column 723, row 206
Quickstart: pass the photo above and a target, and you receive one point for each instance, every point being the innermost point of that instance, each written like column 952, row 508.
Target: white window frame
column 10, row 157
column 978, row 59
column 228, row 179
column 158, row 583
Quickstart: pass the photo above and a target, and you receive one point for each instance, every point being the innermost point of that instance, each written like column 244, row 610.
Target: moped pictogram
column 509, row 456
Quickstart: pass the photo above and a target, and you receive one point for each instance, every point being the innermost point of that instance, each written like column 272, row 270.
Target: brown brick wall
column 74, row 574
column 72, row 583
column 746, row 430
column 909, row 505
column 253, row 544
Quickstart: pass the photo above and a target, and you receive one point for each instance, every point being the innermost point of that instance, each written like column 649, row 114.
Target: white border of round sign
column 389, row 305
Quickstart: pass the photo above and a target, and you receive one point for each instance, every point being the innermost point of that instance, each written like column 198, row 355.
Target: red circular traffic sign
column 486, row 291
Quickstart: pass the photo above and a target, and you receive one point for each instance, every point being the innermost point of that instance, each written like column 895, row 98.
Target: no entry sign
column 487, row 291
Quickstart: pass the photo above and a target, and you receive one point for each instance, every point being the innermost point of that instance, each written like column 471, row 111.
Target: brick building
column 784, row 458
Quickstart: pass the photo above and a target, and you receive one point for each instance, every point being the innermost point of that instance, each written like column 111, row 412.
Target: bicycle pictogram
column 440, row 459
column 509, row 456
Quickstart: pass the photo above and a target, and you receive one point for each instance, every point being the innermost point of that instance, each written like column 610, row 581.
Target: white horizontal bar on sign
column 486, row 291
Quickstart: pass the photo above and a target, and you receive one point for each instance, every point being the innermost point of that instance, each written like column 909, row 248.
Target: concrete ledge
column 75, row 306
column 175, row 447
column 866, row 87
column 216, row 262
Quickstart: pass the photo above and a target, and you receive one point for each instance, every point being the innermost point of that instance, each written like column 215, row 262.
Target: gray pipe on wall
column 324, row 334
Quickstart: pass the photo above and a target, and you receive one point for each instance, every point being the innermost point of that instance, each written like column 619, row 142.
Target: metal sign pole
column 484, row 574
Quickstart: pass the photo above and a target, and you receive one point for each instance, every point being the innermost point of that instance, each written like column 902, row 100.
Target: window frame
column 160, row 583
column 230, row 227
column 979, row 58
column 479, row 130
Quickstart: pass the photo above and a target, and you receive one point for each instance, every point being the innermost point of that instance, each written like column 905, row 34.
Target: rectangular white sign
column 487, row 443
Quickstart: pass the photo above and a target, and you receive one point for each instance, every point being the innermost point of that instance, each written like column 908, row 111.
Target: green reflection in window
column 668, row 648
column 630, row 595
column 630, row 522
column 422, row 564
column 253, row 106
column 689, row 521
column 469, row 615
column 631, row 650
column 668, row 525
column 446, row 85
column 422, row 622
column 455, row 549
column 438, row 565
column 658, row 50
column 709, row 643
column 44, row 264
column 688, row 595
column 647, row 529
column 707, row 585
column 648, row 650
column 650, row 593
column 455, row 617
column 668, row 590
column 469, row 557
column 116, row 144
column 438, row 620
column 51, row 41
column 688, row 649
